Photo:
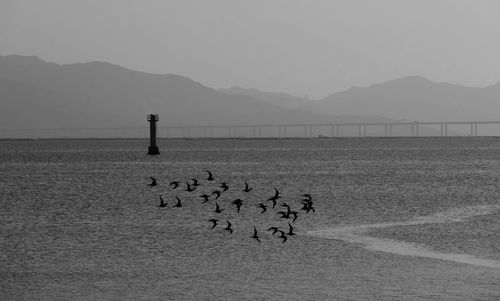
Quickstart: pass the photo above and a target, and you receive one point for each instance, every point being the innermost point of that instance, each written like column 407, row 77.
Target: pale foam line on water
column 357, row 235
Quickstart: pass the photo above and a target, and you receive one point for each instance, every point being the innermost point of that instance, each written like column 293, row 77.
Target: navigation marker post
column 153, row 148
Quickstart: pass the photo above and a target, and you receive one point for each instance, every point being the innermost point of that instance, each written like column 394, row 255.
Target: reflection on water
column 78, row 221
column 358, row 234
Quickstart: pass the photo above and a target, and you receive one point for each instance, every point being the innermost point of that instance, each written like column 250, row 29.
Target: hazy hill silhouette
column 277, row 98
column 99, row 94
column 37, row 94
column 416, row 98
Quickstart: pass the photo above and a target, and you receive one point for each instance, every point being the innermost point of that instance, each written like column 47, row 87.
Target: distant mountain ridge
column 412, row 98
column 280, row 99
column 38, row 94
column 416, row 98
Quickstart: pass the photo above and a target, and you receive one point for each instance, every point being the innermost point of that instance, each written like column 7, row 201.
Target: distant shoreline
column 258, row 138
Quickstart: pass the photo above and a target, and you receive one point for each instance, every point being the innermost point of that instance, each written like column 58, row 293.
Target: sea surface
column 395, row 219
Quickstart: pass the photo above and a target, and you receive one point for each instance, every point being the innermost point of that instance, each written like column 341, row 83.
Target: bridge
column 373, row 129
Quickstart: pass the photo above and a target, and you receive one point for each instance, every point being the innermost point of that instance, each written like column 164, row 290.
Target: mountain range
column 38, row 94
column 416, row 98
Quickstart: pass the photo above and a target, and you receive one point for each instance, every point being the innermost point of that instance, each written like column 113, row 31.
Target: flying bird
column 205, row 196
column 210, row 176
column 175, row 184
column 282, row 236
column 285, row 215
column 264, row 207
column 214, row 221
column 275, row 197
column 310, row 208
column 238, row 203
column 255, row 236
column 178, row 204
column 217, row 193
column 228, row 228
column 274, row 202
column 274, row 229
column 247, row 187
column 153, row 182
column 162, row 202
column 224, row 186
column 290, row 230
column 195, row 182
column 307, row 207
column 217, row 208
column 189, row 188
column 294, row 213
column 276, row 194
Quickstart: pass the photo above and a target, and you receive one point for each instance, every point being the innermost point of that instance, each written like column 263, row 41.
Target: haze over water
column 396, row 219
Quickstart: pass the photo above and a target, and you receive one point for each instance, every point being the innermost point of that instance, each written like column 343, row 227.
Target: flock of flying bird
column 287, row 214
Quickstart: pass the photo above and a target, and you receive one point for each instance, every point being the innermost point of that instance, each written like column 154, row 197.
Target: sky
column 306, row 48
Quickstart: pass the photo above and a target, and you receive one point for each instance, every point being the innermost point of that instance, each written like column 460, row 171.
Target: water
column 396, row 219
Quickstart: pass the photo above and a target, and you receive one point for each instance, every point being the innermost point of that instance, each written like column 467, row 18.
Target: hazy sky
column 313, row 47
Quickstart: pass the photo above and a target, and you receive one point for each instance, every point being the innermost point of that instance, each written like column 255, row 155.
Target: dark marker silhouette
column 179, row 204
column 264, row 207
column 210, row 176
column 162, row 202
column 214, row 221
column 217, row 208
column 195, row 182
column 255, row 234
column 153, row 182
column 175, row 184
column 228, row 228
column 294, row 213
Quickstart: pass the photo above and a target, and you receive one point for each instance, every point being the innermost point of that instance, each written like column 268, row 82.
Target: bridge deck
column 372, row 129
